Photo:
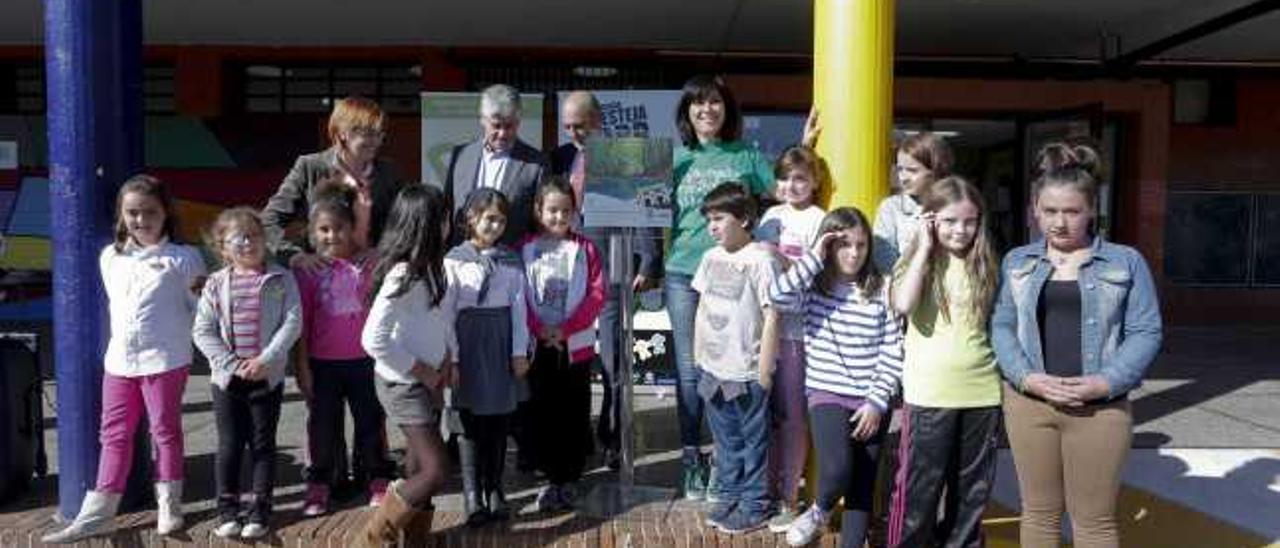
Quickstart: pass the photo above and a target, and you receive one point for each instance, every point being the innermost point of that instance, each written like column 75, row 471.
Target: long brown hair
column 869, row 279
column 982, row 269
column 145, row 185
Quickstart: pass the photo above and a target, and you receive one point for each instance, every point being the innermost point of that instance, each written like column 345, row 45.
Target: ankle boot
column 388, row 521
column 95, row 516
column 168, row 507
column 497, row 503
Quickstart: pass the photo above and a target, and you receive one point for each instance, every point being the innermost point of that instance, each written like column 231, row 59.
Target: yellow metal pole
column 853, row 90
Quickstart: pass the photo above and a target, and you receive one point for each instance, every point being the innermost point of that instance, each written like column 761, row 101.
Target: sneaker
column 316, row 502
column 377, row 492
column 254, row 530
column 548, row 499
column 807, row 527
column 720, row 512
column 741, row 521
column 228, row 529
column 691, row 482
column 566, row 497
column 782, row 521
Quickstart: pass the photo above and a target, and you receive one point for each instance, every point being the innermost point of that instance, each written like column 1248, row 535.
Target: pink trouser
column 789, row 426
column 123, row 400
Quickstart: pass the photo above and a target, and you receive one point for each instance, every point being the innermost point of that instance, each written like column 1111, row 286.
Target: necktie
column 578, row 176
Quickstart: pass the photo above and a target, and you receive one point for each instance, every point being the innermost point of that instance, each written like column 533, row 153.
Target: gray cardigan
column 280, row 324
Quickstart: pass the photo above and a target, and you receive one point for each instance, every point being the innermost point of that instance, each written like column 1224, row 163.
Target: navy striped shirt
column 853, row 345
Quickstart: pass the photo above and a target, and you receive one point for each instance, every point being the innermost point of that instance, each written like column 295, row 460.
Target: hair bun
column 334, row 190
column 1058, row 157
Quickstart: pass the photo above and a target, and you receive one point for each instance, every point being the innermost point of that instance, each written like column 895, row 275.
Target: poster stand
column 611, row 499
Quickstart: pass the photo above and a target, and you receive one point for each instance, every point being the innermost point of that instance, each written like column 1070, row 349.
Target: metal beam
column 1226, row 20
column 93, row 58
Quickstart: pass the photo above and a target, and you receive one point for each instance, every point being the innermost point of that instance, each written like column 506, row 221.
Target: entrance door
column 1082, row 124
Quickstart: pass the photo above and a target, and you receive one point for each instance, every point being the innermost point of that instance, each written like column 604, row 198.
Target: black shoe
column 497, row 503
column 476, row 508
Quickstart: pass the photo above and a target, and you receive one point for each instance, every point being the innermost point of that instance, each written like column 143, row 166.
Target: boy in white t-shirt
column 735, row 344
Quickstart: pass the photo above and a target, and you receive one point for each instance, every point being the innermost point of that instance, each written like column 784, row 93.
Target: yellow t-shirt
column 949, row 364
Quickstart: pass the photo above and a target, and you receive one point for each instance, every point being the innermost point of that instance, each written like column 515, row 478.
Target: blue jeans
column 741, row 431
column 682, row 305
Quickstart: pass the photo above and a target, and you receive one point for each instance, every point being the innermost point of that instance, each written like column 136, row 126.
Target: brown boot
column 388, row 520
column 418, row 529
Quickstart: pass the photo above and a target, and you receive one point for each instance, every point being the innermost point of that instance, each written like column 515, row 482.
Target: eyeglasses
column 238, row 241
column 368, row 133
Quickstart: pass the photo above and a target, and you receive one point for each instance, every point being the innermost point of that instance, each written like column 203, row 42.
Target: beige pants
column 1068, row 459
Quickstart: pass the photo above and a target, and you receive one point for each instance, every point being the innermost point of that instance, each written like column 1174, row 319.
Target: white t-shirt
column 793, row 232
column 734, row 291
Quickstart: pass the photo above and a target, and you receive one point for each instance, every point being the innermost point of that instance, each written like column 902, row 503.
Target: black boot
column 473, row 501
column 497, row 502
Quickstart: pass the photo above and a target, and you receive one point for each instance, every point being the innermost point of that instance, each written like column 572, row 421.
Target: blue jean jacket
column 1119, row 310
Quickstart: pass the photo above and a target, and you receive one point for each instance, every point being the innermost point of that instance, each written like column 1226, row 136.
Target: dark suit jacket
column 292, row 200
column 519, row 181
column 648, row 242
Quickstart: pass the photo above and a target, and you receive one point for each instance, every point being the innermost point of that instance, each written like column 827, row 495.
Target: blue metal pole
column 93, row 72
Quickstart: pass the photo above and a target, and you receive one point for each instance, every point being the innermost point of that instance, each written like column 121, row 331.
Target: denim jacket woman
column 1120, row 314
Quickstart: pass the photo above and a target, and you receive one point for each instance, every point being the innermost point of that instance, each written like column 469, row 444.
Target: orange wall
column 1158, row 153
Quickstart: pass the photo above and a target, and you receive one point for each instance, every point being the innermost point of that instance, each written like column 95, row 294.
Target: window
column 313, row 88
column 29, row 86
column 29, row 89
column 1226, row 239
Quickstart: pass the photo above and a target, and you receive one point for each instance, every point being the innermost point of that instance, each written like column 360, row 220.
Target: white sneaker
column 253, row 530
column 782, row 521
column 807, row 527
column 228, row 529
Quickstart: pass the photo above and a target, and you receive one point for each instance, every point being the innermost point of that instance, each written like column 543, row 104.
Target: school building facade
column 1181, row 97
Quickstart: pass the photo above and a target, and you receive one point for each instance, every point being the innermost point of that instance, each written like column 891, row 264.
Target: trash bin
column 20, row 413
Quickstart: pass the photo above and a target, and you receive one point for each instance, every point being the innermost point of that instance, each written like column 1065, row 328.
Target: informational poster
column 772, row 133
column 450, row 119
column 635, row 113
column 628, row 182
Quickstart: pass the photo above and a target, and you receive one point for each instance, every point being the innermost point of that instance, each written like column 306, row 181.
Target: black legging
column 846, row 468
column 489, row 434
column 246, row 413
column 561, row 404
column 424, row 465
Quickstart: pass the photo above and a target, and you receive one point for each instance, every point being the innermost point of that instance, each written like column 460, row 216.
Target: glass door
column 1084, row 124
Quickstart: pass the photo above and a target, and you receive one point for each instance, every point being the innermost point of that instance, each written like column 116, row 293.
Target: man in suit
column 498, row 159
column 580, row 119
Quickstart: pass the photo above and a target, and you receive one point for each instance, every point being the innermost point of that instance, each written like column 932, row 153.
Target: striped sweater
column 853, row 345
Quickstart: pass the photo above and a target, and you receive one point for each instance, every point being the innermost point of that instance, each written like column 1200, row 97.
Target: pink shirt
column 334, row 307
column 246, row 311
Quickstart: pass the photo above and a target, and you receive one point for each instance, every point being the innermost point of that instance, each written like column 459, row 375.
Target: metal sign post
column 621, row 272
